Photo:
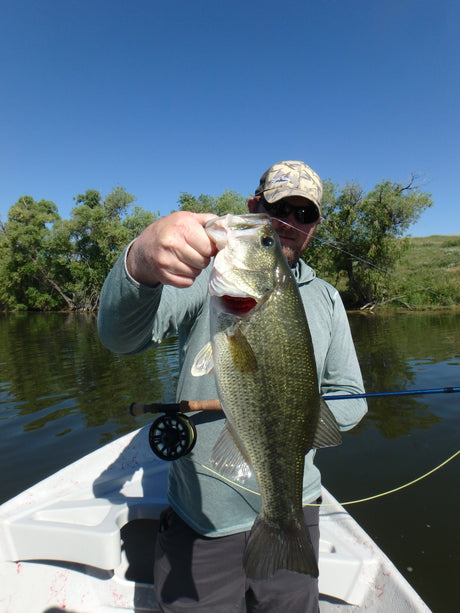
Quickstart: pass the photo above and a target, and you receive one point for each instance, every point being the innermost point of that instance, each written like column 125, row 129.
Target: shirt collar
column 303, row 273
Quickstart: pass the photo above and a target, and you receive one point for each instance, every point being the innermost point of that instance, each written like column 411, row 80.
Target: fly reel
column 172, row 436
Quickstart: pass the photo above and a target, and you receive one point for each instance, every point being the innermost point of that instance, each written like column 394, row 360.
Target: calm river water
column 62, row 395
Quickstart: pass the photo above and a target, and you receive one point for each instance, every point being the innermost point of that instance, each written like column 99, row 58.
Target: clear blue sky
column 199, row 96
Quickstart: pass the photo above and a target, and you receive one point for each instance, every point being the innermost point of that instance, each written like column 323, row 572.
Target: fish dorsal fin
column 203, row 362
column 243, row 357
column 327, row 432
column 227, row 458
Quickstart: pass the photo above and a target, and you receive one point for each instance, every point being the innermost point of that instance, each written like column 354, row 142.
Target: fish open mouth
column 238, row 305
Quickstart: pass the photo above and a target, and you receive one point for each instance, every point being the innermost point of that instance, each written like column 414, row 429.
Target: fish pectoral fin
column 243, row 357
column 203, row 362
column 327, row 432
column 228, row 459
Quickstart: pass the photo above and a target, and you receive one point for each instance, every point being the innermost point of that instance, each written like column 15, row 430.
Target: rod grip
column 138, row 408
column 201, row 405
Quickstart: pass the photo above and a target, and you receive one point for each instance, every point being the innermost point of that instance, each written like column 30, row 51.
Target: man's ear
column 252, row 205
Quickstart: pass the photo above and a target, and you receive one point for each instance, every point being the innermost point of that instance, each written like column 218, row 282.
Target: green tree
column 362, row 235
column 138, row 220
column 48, row 263
column 97, row 232
column 229, row 202
column 27, row 272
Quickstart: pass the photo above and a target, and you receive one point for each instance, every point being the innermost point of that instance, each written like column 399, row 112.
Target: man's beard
column 292, row 256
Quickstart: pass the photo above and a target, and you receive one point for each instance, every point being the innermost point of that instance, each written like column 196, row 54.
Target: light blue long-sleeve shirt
column 133, row 318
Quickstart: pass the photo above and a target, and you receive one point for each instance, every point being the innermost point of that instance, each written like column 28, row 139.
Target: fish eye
column 267, row 241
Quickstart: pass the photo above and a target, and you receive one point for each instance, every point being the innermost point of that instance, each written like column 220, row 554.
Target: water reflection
column 53, row 367
column 393, row 350
column 62, row 394
column 57, row 380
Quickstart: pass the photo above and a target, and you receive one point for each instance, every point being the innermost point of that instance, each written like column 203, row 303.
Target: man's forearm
column 126, row 311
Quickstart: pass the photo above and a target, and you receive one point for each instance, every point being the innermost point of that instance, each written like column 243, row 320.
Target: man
column 158, row 288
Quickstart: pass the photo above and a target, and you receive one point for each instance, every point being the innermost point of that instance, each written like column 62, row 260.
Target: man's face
column 294, row 236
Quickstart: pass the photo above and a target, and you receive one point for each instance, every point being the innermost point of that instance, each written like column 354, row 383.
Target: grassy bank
column 426, row 277
column 429, row 272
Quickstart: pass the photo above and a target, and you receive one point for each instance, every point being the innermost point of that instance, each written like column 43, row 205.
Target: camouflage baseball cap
column 291, row 179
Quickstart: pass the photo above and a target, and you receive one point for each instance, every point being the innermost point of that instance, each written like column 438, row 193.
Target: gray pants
column 201, row 574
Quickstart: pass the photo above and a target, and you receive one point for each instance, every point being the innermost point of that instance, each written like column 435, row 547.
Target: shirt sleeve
column 133, row 317
column 342, row 373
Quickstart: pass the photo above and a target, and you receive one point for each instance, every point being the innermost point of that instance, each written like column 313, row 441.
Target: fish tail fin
column 272, row 547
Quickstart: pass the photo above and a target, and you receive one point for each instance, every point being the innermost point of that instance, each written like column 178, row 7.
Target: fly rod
column 438, row 390
column 137, row 408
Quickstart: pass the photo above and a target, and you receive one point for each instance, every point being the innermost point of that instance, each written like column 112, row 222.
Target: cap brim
column 272, row 195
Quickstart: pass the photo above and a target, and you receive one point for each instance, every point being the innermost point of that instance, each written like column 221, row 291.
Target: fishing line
column 221, row 477
column 401, row 487
column 363, row 261
column 343, row 504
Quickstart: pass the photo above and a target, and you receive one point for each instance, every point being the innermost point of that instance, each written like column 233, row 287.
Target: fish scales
column 274, row 398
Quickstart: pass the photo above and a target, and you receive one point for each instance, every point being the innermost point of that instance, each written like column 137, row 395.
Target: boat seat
column 84, row 531
column 76, row 514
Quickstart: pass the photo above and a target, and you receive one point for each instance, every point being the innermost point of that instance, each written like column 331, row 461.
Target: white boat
column 81, row 541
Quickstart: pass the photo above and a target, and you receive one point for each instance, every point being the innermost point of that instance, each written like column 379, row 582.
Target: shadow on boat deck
column 58, row 610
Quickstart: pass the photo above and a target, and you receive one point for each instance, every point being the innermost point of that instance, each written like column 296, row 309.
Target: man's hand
column 173, row 250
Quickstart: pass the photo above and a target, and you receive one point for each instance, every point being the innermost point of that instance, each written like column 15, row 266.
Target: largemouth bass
column 263, row 359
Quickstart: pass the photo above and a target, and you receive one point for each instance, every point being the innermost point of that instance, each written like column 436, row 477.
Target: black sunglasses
column 282, row 209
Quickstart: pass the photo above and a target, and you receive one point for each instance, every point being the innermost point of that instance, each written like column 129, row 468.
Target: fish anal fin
column 327, row 431
column 228, row 459
column 203, row 362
